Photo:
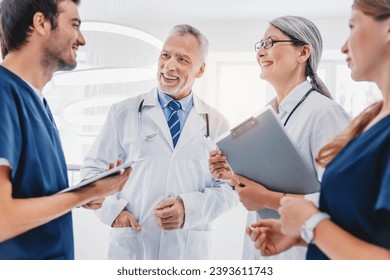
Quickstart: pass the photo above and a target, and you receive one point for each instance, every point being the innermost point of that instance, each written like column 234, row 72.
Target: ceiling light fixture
column 121, row 30
column 103, row 76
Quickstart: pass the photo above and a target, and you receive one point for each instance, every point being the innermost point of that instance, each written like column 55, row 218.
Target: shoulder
column 324, row 107
column 127, row 105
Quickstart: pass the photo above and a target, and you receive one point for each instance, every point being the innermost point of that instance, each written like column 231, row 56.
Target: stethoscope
column 296, row 106
column 149, row 137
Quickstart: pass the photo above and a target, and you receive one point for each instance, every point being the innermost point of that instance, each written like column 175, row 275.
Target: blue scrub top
column 355, row 189
column 30, row 142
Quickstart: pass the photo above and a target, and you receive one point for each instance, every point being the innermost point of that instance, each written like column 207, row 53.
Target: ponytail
column 317, row 84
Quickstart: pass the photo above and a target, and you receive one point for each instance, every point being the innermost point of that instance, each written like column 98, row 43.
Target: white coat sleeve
column 104, row 150
column 203, row 207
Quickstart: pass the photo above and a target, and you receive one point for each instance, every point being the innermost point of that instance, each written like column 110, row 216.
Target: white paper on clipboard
column 111, row 172
column 261, row 150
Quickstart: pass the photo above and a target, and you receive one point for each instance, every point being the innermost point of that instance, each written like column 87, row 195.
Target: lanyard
column 299, row 103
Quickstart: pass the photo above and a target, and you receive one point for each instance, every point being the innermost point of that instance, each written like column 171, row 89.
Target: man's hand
column 126, row 219
column 170, row 214
column 94, row 204
column 105, row 187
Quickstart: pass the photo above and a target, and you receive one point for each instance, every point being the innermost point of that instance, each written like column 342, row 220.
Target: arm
column 334, row 241
column 20, row 215
column 255, row 196
column 104, row 150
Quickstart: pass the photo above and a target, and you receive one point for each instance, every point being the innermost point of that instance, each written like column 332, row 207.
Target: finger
column 242, row 179
column 119, row 162
column 134, row 224
column 111, row 165
column 264, row 223
column 218, row 172
column 215, row 153
column 170, row 228
column 94, row 206
column 165, row 204
column 255, row 233
column 249, row 230
column 164, row 213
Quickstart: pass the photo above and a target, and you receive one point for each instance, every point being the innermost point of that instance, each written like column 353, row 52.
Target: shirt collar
column 37, row 91
column 292, row 99
column 164, row 99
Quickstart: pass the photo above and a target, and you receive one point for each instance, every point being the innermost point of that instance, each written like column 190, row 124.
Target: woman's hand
column 293, row 213
column 269, row 239
column 218, row 166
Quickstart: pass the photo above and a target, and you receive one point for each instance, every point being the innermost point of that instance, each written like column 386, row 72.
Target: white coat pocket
column 126, row 244
column 197, row 245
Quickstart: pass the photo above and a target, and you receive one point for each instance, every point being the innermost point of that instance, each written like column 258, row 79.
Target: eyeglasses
column 269, row 42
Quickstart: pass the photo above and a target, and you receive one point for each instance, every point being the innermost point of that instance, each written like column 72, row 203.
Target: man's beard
column 53, row 57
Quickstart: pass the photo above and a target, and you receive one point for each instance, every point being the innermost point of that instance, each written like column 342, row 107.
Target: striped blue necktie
column 173, row 121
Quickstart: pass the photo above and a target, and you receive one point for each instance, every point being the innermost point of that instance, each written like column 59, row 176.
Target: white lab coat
column 314, row 124
column 166, row 172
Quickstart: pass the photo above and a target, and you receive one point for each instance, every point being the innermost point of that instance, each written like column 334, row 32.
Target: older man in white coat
column 165, row 209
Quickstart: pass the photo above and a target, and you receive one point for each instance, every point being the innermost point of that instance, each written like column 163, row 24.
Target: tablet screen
column 114, row 171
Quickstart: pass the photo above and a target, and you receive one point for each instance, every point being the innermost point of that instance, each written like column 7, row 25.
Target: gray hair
column 184, row 29
column 304, row 32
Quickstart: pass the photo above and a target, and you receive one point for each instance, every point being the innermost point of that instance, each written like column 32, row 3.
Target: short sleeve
column 10, row 132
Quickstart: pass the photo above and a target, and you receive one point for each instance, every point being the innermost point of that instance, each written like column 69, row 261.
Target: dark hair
column 16, row 20
column 378, row 10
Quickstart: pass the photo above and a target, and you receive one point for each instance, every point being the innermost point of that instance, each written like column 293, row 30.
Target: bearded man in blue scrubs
column 38, row 37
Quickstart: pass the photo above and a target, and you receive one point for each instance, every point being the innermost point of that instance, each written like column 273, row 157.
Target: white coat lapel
column 194, row 125
column 155, row 113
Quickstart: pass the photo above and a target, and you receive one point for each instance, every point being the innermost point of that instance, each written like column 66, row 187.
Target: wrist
column 309, row 226
column 272, row 199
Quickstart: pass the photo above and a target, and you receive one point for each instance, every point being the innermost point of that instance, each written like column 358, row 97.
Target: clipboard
column 111, row 172
column 260, row 149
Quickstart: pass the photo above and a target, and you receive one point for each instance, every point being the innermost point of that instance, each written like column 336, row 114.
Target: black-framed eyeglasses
column 269, row 42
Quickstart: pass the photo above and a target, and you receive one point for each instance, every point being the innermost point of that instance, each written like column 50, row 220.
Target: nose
column 344, row 48
column 260, row 53
column 80, row 38
column 170, row 64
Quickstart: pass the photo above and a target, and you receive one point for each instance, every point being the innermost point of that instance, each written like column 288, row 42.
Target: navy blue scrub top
column 30, row 142
column 355, row 188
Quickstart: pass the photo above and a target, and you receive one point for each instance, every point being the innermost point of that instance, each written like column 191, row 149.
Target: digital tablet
column 114, row 171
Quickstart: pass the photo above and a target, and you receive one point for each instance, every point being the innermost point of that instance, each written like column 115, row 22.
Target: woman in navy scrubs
column 353, row 219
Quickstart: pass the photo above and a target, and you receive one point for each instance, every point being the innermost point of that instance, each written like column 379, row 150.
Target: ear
column 40, row 24
column 201, row 71
column 304, row 54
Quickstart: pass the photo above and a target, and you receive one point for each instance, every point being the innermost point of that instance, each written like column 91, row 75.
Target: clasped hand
column 272, row 236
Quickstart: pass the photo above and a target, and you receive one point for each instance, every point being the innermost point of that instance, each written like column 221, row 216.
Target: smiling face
column 179, row 64
column 367, row 47
column 64, row 40
column 281, row 60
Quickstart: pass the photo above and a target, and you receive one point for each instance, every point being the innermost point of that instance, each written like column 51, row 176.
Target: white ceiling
column 136, row 12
